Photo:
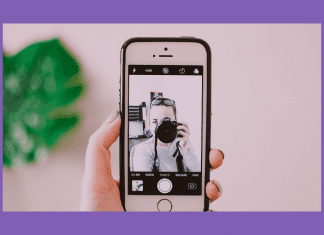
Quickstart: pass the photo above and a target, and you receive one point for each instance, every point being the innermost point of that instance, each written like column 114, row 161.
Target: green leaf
column 59, row 127
column 39, row 80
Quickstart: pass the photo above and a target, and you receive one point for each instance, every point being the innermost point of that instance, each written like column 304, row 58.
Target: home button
column 164, row 205
column 164, row 185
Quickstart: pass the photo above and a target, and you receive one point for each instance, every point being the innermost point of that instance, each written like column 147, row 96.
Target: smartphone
column 165, row 106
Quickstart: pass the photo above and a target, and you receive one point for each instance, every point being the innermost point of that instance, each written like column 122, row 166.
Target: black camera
column 166, row 130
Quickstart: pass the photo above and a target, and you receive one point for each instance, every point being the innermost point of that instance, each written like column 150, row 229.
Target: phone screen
column 165, row 129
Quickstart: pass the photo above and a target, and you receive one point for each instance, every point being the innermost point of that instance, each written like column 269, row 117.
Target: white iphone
column 165, row 105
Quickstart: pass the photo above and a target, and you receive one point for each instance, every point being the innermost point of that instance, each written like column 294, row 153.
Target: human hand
column 100, row 190
column 184, row 132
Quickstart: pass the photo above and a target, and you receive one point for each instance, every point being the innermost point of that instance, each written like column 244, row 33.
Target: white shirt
column 144, row 157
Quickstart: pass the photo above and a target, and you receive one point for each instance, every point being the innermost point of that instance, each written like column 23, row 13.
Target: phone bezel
column 207, row 115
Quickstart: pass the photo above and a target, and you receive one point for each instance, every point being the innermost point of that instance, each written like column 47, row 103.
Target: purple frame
column 99, row 11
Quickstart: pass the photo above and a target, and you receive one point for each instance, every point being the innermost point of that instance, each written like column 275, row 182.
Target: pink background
column 266, row 104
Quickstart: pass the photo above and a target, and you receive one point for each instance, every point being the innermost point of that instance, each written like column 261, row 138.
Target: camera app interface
column 165, row 129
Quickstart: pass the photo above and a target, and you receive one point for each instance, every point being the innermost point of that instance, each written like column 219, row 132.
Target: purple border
column 96, row 11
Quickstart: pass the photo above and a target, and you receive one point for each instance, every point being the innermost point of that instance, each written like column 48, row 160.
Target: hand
column 184, row 132
column 100, row 190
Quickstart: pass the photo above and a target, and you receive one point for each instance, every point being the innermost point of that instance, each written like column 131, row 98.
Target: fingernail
column 219, row 187
column 222, row 153
column 210, row 211
column 112, row 116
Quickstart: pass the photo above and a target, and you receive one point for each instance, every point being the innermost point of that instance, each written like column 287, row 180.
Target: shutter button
column 164, row 185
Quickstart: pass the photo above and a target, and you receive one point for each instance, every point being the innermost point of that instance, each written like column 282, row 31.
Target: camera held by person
column 166, row 130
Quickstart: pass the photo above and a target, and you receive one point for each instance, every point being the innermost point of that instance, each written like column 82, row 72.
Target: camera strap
column 179, row 158
column 156, row 162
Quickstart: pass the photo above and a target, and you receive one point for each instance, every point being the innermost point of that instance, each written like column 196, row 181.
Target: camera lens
column 166, row 131
column 165, row 48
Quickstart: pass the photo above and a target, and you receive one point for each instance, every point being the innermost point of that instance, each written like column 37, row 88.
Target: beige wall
column 266, row 102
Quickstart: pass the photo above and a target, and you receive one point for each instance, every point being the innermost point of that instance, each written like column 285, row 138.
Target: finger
column 94, row 137
column 93, row 141
column 214, row 190
column 183, row 137
column 104, row 188
column 183, row 128
column 185, row 124
column 110, row 132
column 183, row 134
column 97, row 165
column 99, row 188
column 102, row 155
column 215, row 158
column 117, row 182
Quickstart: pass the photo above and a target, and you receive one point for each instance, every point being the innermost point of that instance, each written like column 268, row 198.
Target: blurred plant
column 39, row 85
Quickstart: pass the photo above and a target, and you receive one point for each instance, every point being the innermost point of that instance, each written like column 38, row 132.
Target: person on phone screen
column 176, row 156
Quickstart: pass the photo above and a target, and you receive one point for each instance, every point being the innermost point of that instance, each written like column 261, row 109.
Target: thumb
column 101, row 154
column 109, row 131
column 101, row 192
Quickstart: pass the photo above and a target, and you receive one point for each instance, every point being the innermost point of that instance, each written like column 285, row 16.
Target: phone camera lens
column 165, row 48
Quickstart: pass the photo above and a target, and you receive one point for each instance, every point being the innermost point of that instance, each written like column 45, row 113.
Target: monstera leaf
column 40, row 84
